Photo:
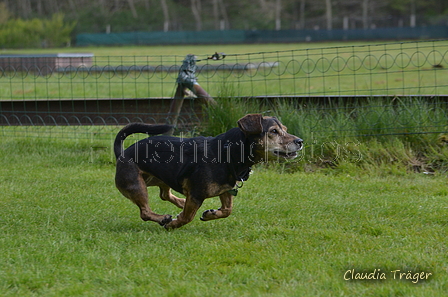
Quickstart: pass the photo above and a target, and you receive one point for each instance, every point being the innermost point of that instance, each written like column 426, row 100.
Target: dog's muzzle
column 291, row 149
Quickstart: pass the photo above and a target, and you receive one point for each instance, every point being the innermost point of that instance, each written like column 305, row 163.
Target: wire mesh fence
column 87, row 90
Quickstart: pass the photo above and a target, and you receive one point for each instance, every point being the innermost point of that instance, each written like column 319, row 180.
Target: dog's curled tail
column 133, row 128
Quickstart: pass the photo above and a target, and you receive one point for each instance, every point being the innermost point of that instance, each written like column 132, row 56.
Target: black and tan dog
column 199, row 167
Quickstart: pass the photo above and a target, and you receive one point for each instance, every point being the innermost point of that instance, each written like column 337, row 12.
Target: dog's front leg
column 223, row 212
column 186, row 216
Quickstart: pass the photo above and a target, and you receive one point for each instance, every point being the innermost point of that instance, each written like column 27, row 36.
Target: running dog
column 198, row 167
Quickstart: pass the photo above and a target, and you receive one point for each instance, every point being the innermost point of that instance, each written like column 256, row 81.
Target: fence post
column 186, row 80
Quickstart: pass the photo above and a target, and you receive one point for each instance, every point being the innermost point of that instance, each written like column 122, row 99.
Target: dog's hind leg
column 223, row 212
column 166, row 195
column 165, row 190
column 134, row 188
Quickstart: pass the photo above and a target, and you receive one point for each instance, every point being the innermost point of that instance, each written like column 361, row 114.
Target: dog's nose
column 298, row 142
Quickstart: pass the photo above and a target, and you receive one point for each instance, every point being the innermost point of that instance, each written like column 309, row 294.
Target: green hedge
column 18, row 33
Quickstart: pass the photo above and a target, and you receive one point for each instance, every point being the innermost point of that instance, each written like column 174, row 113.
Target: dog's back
column 172, row 159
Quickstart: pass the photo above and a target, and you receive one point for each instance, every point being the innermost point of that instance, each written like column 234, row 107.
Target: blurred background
column 59, row 21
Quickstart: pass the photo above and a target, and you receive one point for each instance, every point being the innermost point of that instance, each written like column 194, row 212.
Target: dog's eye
column 274, row 131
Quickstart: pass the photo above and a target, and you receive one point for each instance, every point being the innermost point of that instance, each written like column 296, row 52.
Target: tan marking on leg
column 223, row 212
column 165, row 190
column 190, row 208
column 214, row 189
column 186, row 215
column 166, row 195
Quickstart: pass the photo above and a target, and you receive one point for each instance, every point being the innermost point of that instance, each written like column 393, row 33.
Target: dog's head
column 270, row 137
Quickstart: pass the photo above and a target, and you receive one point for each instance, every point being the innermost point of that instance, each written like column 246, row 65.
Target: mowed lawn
column 66, row 231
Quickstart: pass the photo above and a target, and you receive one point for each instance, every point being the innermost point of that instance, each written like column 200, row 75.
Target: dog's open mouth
column 286, row 155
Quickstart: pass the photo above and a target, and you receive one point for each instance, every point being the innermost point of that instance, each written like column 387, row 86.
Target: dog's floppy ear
column 251, row 123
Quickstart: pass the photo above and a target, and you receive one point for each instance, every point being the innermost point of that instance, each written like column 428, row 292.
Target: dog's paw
column 166, row 220
column 209, row 214
column 171, row 225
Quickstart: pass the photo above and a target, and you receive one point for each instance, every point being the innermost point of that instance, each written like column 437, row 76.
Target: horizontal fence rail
column 93, row 112
column 87, row 90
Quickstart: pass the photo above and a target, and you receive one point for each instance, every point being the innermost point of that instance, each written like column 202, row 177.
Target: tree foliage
column 163, row 15
column 35, row 32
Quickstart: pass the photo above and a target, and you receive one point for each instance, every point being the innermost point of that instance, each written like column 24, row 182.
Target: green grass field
column 66, row 231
